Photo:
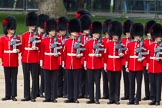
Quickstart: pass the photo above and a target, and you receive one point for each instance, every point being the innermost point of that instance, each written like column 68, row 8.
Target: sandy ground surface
column 60, row 104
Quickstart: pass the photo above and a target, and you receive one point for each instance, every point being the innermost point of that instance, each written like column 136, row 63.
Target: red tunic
column 147, row 43
column 92, row 61
column 28, row 54
column 50, row 62
column 41, row 38
column 60, row 58
column 154, row 66
column 9, row 59
column 71, row 61
column 125, row 42
column 132, row 57
column 104, row 41
column 84, row 40
column 111, row 58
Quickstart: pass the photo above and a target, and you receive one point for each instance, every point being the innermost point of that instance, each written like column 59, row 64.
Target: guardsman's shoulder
column 25, row 33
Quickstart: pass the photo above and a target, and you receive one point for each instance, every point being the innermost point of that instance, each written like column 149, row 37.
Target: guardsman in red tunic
column 93, row 56
column 105, row 40
column 49, row 54
column 9, row 49
column 135, row 57
column 113, row 60
column 72, row 59
column 125, row 40
column 42, row 18
column 62, row 76
column 147, row 43
column 30, row 50
column 155, row 64
column 85, row 32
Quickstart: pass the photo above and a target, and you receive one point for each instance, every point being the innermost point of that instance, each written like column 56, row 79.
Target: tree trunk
column 53, row 8
column 80, row 4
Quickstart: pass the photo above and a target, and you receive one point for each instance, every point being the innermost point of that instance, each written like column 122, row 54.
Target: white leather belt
column 26, row 48
column 133, row 56
column 153, row 58
column 113, row 56
column 71, row 54
column 93, row 54
column 49, row 54
column 9, row 51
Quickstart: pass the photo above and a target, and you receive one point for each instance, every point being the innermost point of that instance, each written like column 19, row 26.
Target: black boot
column 6, row 98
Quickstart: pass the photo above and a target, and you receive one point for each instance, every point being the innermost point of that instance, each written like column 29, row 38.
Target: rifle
column 66, row 37
column 97, row 47
column 78, row 45
column 89, row 37
column 15, row 42
column 139, row 50
column 119, row 47
column 44, row 35
column 55, row 46
column 35, row 38
column 157, row 50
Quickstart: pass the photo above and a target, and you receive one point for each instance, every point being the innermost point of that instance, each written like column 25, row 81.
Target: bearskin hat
column 62, row 23
column 31, row 19
column 137, row 29
column 85, row 22
column 82, row 12
column 126, row 26
column 42, row 19
column 156, row 30
column 96, row 27
column 8, row 23
column 51, row 25
column 106, row 25
column 115, row 29
column 74, row 25
column 148, row 26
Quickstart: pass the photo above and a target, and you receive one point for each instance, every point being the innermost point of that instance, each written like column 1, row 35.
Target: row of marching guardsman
column 50, row 47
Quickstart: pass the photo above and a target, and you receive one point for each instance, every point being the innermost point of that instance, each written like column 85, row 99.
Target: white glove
column 15, row 50
column 35, row 48
column 126, row 64
column 127, row 70
column 105, row 65
column 85, row 65
column 140, row 60
column 63, row 64
column 41, row 63
column 147, row 66
column 121, row 55
column 157, row 58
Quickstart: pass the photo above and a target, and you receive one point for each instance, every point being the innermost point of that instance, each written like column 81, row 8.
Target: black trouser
column 146, row 81
column 155, row 86
column 39, row 73
column 126, row 82
column 42, row 85
column 83, row 83
column 60, row 81
column 105, row 84
column 94, row 76
column 73, row 83
column 10, row 81
column 65, row 84
column 27, row 68
column 50, row 84
column 114, row 81
column 132, row 77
